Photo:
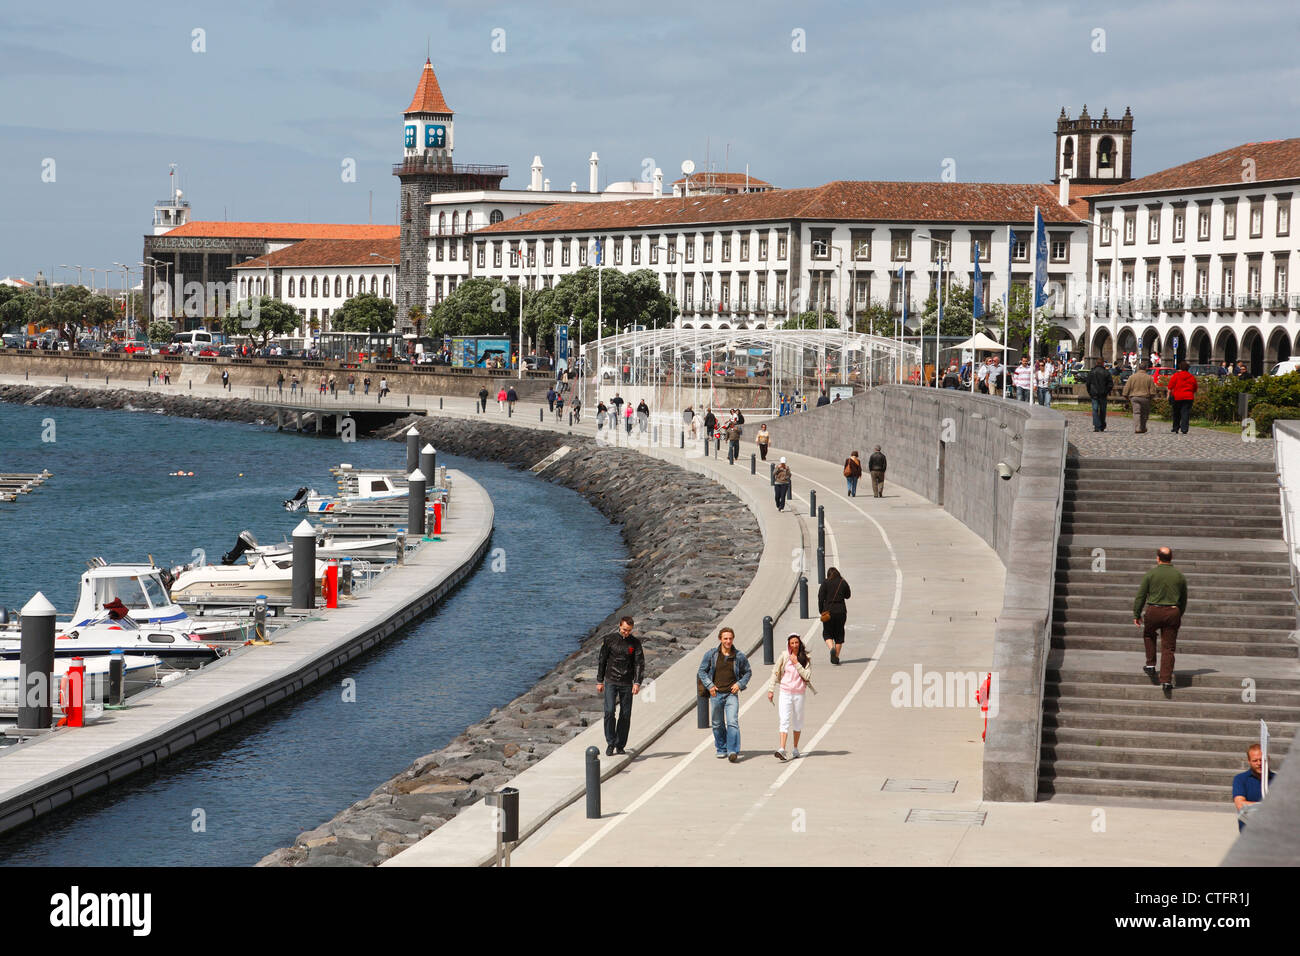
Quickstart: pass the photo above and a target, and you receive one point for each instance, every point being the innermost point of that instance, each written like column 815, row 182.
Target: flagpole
column 1006, row 308
column 600, row 355
column 1033, row 301
column 974, row 313
column 938, row 322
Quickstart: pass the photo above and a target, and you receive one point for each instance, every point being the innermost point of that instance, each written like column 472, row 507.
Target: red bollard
column 75, row 703
column 332, row 585
column 437, row 517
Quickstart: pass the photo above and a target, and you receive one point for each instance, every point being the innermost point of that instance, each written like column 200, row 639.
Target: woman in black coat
column 830, row 604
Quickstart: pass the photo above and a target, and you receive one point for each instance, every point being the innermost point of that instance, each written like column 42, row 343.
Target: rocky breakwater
column 693, row 550
column 137, row 400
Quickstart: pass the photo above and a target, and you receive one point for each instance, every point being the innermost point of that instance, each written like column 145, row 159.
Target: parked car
column 208, row 351
column 130, row 348
column 1282, row 368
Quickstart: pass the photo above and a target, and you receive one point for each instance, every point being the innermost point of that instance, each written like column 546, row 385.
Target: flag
column 902, row 290
column 599, row 252
column 1040, row 260
column 977, row 290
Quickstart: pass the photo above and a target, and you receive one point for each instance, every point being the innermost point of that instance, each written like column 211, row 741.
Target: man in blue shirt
column 1247, row 788
column 724, row 673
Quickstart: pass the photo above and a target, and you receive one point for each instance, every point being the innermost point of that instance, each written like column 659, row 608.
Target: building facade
column 1202, row 255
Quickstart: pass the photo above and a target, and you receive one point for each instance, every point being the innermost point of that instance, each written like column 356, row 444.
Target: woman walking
column 791, row 676
column 852, row 472
column 501, row 399
column 761, row 439
column 830, row 603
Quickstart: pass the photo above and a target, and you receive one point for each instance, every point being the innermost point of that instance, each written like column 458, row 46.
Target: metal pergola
column 750, row 369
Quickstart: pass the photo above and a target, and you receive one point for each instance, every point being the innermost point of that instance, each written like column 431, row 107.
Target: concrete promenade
column 926, row 592
column 44, row 773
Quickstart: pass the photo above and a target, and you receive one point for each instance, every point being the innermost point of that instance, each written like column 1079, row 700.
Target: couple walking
column 876, row 464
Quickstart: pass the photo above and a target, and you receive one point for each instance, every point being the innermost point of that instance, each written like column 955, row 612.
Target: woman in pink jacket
column 791, row 677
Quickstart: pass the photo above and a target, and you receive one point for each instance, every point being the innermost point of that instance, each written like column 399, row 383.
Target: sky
column 262, row 106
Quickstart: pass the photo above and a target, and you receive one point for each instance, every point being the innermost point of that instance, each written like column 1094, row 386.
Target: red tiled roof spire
column 428, row 95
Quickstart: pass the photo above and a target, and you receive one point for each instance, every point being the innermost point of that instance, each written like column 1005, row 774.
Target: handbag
column 826, row 615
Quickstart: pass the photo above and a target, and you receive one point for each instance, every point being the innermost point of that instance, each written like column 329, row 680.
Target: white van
column 192, row 340
column 1282, row 368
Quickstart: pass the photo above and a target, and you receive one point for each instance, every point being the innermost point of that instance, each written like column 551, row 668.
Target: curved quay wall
column 946, row 445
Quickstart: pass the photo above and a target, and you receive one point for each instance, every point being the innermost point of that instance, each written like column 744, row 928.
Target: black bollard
column 593, row 783
column 415, row 493
column 771, row 473
column 767, row 641
column 803, row 597
column 702, row 720
column 821, row 528
column 345, row 577
column 439, row 403
column 259, row 617
column 706, row 447
column 683, row 441
column 36, row 665
column 116, row 684
column 541, row 417
column 412, row 449
column 304, row 566
column 753, row 464
column 821, row 565
column 429, row 465
column 812, row 502
column 570, row 419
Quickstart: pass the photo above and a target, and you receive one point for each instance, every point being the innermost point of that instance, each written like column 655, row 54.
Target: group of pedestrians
column 1139, row 391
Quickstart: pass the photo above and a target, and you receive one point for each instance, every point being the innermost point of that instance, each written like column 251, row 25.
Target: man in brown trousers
column 1164, row 593
column 1139, row 390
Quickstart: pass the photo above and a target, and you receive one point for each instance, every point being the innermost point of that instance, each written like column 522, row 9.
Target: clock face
column 410, row 137
column 435, row 136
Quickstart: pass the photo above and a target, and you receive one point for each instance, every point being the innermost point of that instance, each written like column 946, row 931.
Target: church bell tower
column 1094, row 151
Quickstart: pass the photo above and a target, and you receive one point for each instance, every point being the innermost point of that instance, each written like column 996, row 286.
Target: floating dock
column 47, row 772
column 14, row 484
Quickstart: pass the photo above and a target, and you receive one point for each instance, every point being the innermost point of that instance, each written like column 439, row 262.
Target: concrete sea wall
column 946, row 445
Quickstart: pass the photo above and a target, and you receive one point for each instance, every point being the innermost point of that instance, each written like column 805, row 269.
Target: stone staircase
column 1107, row 730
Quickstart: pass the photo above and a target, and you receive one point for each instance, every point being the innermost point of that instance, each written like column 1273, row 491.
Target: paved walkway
column 925, row 595
column 1199, row 444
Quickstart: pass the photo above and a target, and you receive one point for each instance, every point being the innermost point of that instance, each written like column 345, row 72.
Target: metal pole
column 412, row 449
column 416, row 489
column 753, row 464
column 116, row 682
column 821, row 565
column 812, row 502
column 702, row 721
column 821, row 528
column 803, row 597
column 593, row 783
column 36, row 665
column 767, row 641
column 304, row 565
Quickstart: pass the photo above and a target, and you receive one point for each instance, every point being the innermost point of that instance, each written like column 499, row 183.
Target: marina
column 13, row 485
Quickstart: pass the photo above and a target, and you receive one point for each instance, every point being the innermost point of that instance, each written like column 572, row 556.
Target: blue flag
column 1040, row 266
column 977, row 290
column 599, row 252
column 902, row 288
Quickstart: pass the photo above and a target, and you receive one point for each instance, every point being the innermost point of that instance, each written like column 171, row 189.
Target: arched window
column 291, row 287
column 387, row 293
column 374, row 285
column 338, row 287
column 1067, row 162
column 455, row 222
column 349, row 287
column 314, row 293
column 1105, row 153
column 243, row 288
column 259, row 286
column 495, row 217
column 442, row 223
column 469, row 220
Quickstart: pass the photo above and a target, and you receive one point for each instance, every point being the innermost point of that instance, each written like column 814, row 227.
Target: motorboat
column 101, row 638
column 331, row 545
column 268, row 574
column 139, row 672
column 142, row 591
column 371, row 487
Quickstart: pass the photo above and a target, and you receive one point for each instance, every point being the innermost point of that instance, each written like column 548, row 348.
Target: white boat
column 332, row 546
column 370, row 487
column 140, row 671
column 269, row 574
column 141, row 589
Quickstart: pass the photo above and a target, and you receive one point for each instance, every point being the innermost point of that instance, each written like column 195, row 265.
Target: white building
column 752, row 260
column 1201, row 253
column 316, row 276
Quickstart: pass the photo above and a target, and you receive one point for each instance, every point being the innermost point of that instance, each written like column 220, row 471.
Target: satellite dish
column 688, row 167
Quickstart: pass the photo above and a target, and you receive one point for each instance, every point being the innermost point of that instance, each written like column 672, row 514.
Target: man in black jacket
column 618, row 677
column 1100, row 384
column 877, row 464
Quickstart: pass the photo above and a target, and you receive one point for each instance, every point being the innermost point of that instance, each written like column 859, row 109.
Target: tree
column 366, row 312
column 1018, row 325
column 620, row 299
column 877, row 319
column 27, row 308
column 478, row 306
column 265, row 316
column 160, row 330
column 811, row 320
column 418, row 316
column 958, row 306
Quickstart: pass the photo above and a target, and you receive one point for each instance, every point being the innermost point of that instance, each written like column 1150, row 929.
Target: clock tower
column 428, row 137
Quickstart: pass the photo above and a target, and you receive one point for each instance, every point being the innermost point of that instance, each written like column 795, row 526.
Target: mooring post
column 304, row 566
column 415, row 494
column 36, row 665
column 259, row 618
column 412, row 449
column 429, row 464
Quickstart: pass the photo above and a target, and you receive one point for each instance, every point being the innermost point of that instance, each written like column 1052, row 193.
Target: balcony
column 1172, row 304
column 417, row 164
column 1277, row 303
column 1198, row 303
column 1250, row 303
column 1125, row 308
column 1223, row 303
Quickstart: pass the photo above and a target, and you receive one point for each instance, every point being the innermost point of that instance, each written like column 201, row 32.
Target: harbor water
column 553, row 572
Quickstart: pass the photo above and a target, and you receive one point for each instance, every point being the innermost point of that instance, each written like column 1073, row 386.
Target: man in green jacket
column 1164, row 593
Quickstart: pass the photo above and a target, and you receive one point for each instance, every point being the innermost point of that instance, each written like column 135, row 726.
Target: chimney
column 1064, row 197
column 594, row 163
column 536, row 184
column 659, row 182
column 546, row 185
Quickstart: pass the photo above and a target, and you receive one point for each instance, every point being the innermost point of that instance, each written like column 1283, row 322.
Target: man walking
column 1139, row 390
column 618, row 676
column 725, row 672
column 1100, row 384
column 1023, row 379
column 511, row 397
column 550, row 398
column 877, row 464
column 733, row 443
column 1164, row 593
column 482, row 398
column 781, row 483
column 1182, row 392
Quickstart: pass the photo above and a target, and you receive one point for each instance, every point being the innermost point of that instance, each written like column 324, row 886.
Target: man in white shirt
column 1023, row 379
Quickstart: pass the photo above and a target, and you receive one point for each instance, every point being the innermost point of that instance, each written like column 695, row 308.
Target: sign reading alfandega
column 175, row 243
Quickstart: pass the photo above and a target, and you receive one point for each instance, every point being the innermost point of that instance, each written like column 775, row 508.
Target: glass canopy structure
column 754, row 370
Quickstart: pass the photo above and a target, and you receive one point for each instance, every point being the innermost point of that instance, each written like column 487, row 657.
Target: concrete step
column 1219, row 761
column 1117, row 610
column 1121, row 487
column 1243, row 637
column 1052, row 784
column 1109, row 590
column 1172, row 511
column 1182, row 725
column 1178, row 706
column 1277, row 650
column 1132, row 675
column 1163, row 745
column 1229, row 564
column 1175, row 464
column 1187, row 691
column 1144, row 773
column 1109, row 526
